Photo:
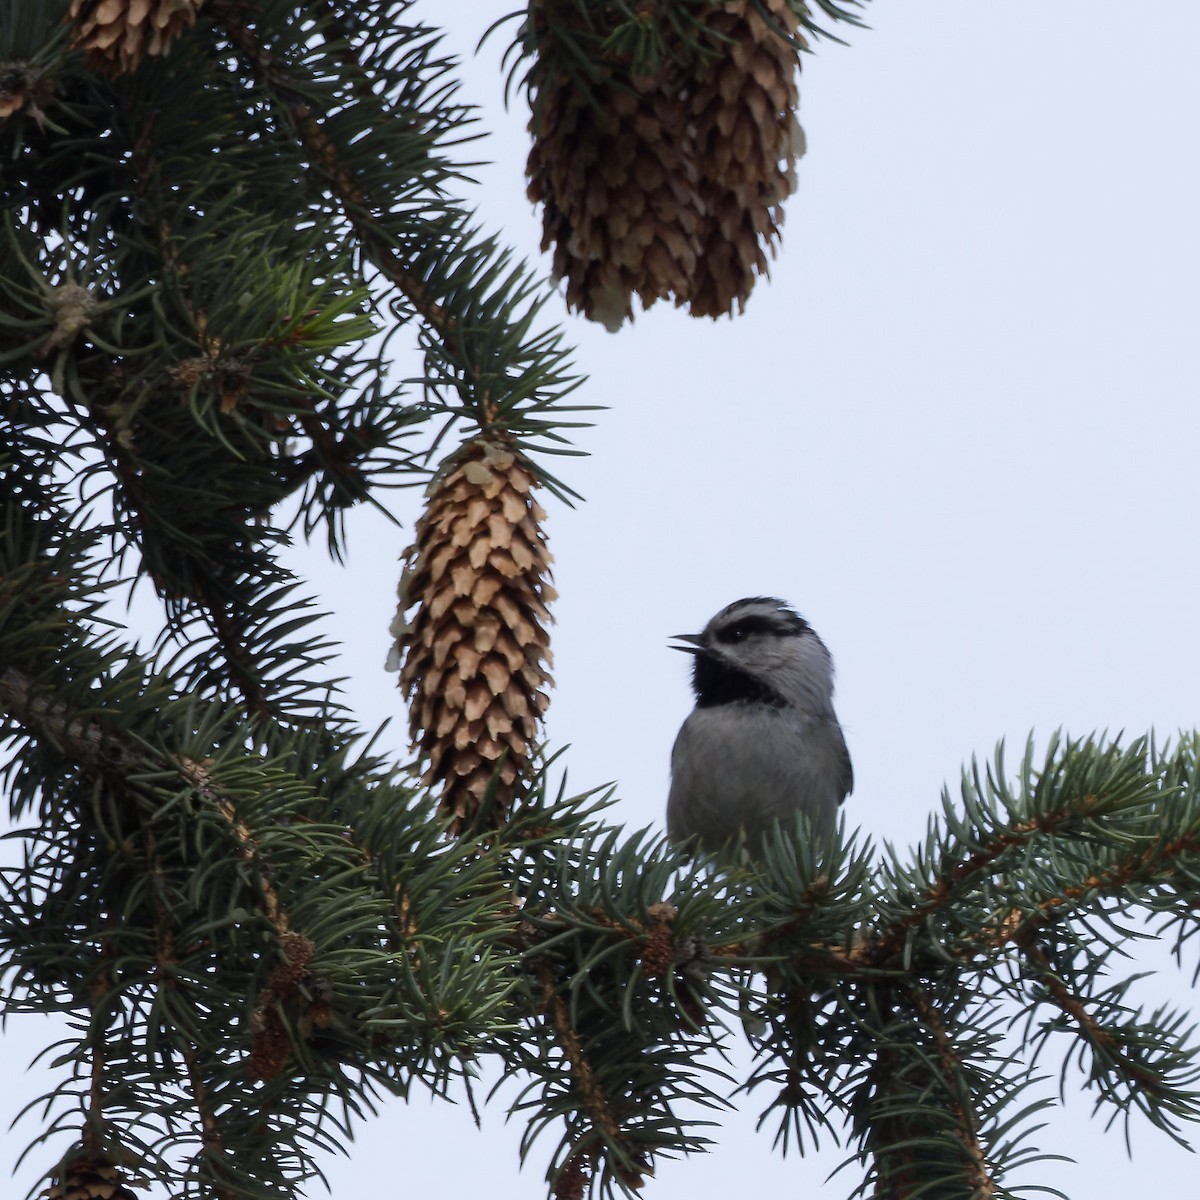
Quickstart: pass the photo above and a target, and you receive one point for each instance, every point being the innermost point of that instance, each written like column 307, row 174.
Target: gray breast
column 746, row 766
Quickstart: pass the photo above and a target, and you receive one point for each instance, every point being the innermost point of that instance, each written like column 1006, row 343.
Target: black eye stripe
column 750, row 625
column 756, row 615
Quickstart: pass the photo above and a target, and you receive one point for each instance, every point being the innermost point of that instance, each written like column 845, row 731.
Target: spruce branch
column 212, row 1148
column 931, row 1095
column 950, row 1063
column 1139, row 869
column 241, row 662
column 82, row 740
column 590, row 1093
column 171, row 554
column 1136, row 1062
column 476, row 310
column 1105, row 1045
column 336, row 452
column 113, row 759
column 307, row 118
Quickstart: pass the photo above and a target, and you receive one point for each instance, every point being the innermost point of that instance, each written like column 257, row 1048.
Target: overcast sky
column 958, row 429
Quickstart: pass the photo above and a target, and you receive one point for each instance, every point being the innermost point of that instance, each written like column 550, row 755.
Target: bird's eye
column 746, row 627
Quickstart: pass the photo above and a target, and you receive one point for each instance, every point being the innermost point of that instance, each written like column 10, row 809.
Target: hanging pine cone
column 746, row 142
column 473, row 659
column 117, row 33
column 669, row 183
column 618, row 192
column 89, row 1176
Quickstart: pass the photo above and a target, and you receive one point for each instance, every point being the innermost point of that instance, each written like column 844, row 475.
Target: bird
column 763, row 741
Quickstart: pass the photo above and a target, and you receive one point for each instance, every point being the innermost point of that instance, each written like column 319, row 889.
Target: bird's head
column 759, row 650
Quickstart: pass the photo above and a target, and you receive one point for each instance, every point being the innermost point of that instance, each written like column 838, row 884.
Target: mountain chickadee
column 763, row 741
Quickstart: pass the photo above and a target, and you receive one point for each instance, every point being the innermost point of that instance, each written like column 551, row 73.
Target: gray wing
column 844, row 766
column 821, row 776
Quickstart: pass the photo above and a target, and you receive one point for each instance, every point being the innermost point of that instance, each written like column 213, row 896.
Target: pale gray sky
column 958, row 429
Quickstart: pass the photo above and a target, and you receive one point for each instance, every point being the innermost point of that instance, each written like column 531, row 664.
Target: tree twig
column 589, row 1090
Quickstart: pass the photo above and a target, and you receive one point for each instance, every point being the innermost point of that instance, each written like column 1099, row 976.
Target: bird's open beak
column 694, row 645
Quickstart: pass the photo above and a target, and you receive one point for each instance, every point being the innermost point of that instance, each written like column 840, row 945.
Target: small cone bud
column 473, row 657
column 89, row 1176
column 23, row 85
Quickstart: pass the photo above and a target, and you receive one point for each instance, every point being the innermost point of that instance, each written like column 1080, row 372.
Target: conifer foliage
column 216, row 218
